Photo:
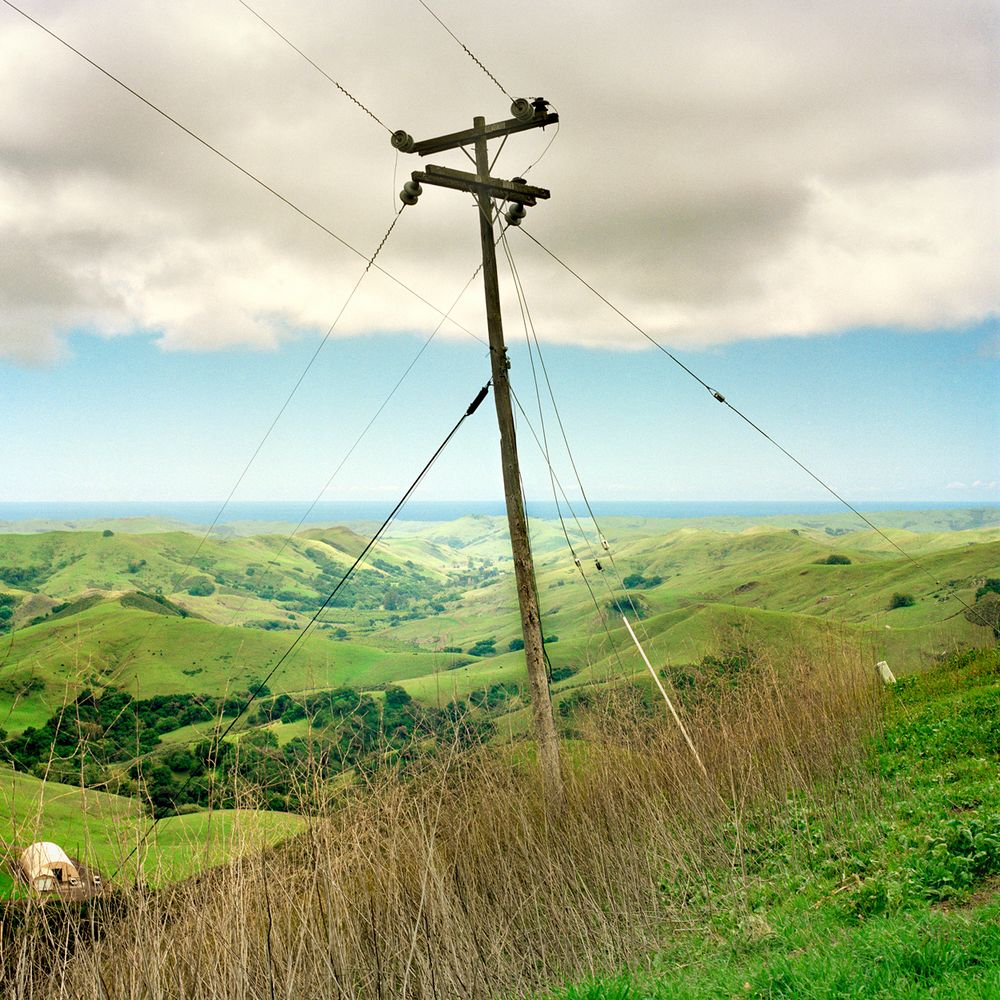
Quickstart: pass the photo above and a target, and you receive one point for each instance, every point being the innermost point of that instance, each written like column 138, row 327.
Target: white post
column 884, row 672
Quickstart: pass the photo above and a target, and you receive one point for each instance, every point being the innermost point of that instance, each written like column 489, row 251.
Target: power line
column 569, row 452
column 178, row 577
column 357, row 441
column 719, row 397
column 243, row 170
column 468, row 51
column 295, row 389
column 371, row 114
column 528, row 323
column 470, row 410
column 566, row 500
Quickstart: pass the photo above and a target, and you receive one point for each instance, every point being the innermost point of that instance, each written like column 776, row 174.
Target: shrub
column 834, row 559
column 485, row 647
column 201, row 587
column 107, row 533
column 515, row 644
column 985, row 612
column 902, row 601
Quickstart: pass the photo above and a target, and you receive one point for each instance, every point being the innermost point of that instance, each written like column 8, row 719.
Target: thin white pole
column 666, row 697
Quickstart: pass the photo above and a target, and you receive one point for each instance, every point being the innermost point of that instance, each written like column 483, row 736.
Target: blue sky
column 880, row 415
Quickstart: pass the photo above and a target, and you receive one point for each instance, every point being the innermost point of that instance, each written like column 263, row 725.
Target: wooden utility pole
column 517, row 194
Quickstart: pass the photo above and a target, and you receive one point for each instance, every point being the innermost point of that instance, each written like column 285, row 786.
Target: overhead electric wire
column 468, row 51
column 243, row 170
column 217, row 741
column 543, row 445
column 260, row 17
column 526, row 312
column 364, row 431
column 562, row 490
column 178, row 577
column 295, row 389
column 602, row 540
column 719, row 397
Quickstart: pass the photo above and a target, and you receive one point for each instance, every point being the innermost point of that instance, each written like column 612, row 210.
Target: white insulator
column 604, row 544
column 522, row 110
column 402, row 141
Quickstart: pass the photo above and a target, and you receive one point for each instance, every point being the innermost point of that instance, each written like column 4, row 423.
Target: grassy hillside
column 164, row 615
column 80, row 618
column 102, row 829
column 892, row 891
column 147, row 653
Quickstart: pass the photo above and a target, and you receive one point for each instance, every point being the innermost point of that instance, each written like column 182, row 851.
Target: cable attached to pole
column 217, row 741
column 719, row 397
column 467, row 50
column 267, row 24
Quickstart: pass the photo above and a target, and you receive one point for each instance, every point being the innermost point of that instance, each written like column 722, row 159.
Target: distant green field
column 699, row 580
column 102, row 829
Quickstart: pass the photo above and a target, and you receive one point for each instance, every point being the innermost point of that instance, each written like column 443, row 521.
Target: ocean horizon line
column 204, row 512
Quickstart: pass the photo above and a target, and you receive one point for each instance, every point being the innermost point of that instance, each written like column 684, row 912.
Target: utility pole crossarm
column 462, row 180
column 467, row 137
column 527, row 115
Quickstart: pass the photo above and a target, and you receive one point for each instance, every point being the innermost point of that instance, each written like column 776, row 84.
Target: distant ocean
column 204, row 512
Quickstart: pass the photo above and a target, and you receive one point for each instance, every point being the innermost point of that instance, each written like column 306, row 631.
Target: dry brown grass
column 457, row 882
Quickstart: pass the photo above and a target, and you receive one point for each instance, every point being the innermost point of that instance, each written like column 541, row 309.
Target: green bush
column 834, row 559
column 902, row 601
column 561, row 673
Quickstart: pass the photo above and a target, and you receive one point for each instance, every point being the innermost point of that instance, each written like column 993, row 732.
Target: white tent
column 46, row 867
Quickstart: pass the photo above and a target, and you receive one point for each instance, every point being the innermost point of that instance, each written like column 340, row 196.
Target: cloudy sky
column 799, row 198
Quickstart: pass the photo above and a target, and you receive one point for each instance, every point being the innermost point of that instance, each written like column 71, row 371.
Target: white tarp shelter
column 46, row 867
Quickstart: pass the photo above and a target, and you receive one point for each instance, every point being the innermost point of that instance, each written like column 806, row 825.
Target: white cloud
column 723, row 171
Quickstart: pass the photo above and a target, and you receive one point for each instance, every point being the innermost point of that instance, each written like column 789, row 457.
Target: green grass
column 108, row 645
column 950, row 955
column 887, row 885
column 101, row 829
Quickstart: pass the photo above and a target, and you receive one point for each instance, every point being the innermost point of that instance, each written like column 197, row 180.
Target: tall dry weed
column 457, row 881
